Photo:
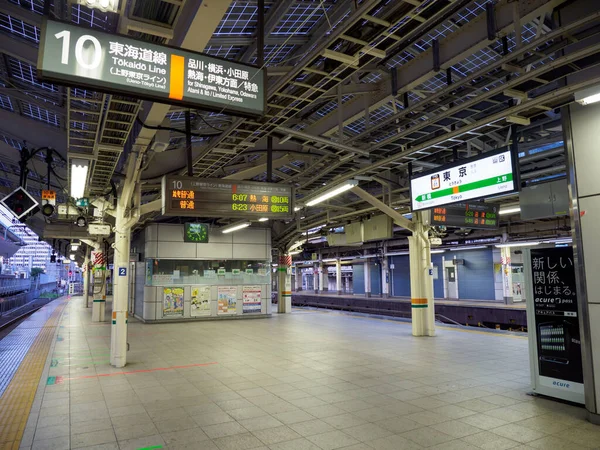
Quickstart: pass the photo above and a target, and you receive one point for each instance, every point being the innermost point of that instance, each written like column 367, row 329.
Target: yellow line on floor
column 16, row 402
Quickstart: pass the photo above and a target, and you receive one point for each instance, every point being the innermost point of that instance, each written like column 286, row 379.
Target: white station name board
column 469, row 179
column 85, row 57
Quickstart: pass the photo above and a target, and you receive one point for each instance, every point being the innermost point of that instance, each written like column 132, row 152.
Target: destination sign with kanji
column 466, row 215
column 493, row 173
column 85, row 57
column 198, row 197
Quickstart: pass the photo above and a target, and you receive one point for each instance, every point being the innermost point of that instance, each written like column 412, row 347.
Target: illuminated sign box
column 466, row 215
column 85, row 57
column 493, row 173
column 198, row 197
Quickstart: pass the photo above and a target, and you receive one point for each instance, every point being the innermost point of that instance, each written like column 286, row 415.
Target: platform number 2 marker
column 122, row 271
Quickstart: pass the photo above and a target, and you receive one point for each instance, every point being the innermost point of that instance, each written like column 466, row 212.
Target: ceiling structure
column 355, row 88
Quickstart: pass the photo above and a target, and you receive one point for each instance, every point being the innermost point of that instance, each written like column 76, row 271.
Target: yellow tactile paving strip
column 16, row 402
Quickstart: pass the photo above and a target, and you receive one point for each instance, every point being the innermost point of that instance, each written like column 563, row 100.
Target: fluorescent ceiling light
column 329, row 260
column 588, row 96
column 511, row 210
column 297, row 208
column 518, row 244
column 435, row 252
column 475, row 247
column 333, row 192
column 102, row 5
column 79, row 172
column 263, row 219
column 235, row 227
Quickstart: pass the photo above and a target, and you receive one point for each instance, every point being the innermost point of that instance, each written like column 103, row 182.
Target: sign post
column 197, row 197
column 492, row 173
column 86, row 57
column 553, row 324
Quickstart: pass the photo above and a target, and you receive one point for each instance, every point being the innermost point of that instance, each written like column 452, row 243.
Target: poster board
column 172, row 301
column 227, row 300
column 251, row 296
column 200, row 301
column 553, row 323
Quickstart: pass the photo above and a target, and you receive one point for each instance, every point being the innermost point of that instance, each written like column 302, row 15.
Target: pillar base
column 385, row 295
column 367, row 294
column 98, row 310
column 593, row 418
column 508, row 300
column 339, row 292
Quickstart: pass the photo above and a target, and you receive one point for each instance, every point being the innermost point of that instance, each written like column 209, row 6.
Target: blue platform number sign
column 430, row 272
column 122, row 271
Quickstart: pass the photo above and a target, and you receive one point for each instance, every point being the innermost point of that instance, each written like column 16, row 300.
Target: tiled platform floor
column 302, row 381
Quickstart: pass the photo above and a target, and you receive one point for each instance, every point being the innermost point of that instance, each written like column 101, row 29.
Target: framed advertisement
column 200, row 301
column 251, row 296
column 553, row 323
column 227, row 300
column 172, row 301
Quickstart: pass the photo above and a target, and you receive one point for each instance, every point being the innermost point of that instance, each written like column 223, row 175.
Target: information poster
column 172, row 301
column 227, row 299
column 556, row 324
column 251, row 296
column 200, row 302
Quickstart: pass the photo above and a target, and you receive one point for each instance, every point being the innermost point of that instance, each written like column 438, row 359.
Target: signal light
column 20, row 203
column 48, row 210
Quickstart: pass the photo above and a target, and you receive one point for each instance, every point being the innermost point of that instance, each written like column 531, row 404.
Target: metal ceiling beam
column 21, row 13
column 18, row 94
column 251, row 172
column 19, row 127
column 274, row 15
column 452, row 49
column 310, row 138
column 19, row 49
column 243, row 41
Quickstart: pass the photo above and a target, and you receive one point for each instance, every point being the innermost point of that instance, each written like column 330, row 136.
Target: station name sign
column 113, row 63
column 466, row 215
column 492, row 173
column 208, row 197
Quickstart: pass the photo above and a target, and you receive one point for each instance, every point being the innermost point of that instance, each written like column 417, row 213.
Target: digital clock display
column 196, row 197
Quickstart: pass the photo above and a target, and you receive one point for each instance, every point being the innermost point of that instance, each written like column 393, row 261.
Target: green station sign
column 213, row 197
column 85, row 57
column 493, row 173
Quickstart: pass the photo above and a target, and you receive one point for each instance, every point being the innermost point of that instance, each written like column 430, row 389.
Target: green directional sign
column 493, row 173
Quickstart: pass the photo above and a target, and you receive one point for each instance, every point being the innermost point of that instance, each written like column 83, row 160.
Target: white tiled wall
column 166, row 241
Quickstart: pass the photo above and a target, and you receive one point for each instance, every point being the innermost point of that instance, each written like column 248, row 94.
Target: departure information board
column 492, row 173
column 202, row 197
column 85, row 57
column 466, row 215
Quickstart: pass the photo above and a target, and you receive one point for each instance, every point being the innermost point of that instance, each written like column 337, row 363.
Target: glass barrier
column 173, row 272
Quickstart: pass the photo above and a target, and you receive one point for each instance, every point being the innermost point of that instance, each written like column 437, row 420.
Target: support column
column 507, row 283
column 298, row 279
column 86, row 278
column 118, row 337
column 580, row 125
column 367, row 271
column 284, row 295
column 385, row 275
column 323, row 278
column 338, row 276
column 421, row 280
column 316, row 278
column 99, row 286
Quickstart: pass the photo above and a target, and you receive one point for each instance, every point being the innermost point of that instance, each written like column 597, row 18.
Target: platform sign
column 492, row 173
column 198, row 197
column 553, row 324
column 466, row 215
column 86, row 57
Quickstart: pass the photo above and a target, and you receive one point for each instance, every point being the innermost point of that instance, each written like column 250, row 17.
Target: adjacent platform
column 315, row 380
column 465, row 312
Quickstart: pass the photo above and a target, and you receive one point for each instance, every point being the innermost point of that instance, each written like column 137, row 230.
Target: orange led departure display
column 195, row 197
column 466, row 215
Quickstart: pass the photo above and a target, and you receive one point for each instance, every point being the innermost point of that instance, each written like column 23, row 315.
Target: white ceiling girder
column 261, row 167
column 454, row 48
